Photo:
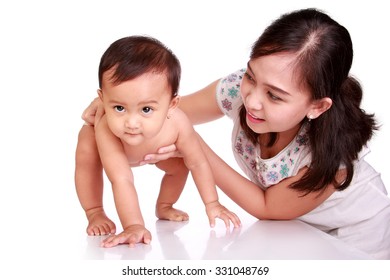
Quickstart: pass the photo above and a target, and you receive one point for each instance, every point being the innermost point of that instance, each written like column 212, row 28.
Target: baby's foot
column 99, row 223
column 167, row 212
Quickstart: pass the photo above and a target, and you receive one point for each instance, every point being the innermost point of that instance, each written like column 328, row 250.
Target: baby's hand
column 216, row 210
column 132, row 235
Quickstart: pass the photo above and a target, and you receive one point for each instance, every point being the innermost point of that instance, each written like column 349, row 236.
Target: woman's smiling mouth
column 253, row 118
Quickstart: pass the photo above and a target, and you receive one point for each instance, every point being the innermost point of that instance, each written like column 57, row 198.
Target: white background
column 49, row 55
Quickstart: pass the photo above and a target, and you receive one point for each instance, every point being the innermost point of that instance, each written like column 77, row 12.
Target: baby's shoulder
column 181, row 124
column 175, row 126
column 178, row 117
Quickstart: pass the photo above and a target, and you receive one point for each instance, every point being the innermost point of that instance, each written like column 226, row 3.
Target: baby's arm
column 196, row 161
column 116, row 166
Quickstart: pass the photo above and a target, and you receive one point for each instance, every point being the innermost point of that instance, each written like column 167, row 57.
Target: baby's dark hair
column 136, row 55
column 324, row 53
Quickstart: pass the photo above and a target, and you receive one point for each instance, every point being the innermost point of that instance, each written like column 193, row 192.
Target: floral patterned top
column 263, row 172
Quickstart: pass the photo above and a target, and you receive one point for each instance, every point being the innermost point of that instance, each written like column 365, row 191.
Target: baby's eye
column 147, row 110
column 119, row 108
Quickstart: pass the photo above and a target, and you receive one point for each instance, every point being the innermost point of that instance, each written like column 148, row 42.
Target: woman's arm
column 196, row 161
column 94, row 112
column 278, row 202
column 201, row 106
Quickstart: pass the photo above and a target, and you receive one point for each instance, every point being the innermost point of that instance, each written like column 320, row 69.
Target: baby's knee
column 176, row 167
column 180, row 167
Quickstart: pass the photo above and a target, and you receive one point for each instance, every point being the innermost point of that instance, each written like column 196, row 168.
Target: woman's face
column 274, row 99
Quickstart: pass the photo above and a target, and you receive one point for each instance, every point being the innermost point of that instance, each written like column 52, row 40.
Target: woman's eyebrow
column 279, row 90
column 275, row 88
column 250, row 68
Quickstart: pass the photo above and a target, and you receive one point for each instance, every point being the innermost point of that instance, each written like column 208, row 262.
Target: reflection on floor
column 254, row 240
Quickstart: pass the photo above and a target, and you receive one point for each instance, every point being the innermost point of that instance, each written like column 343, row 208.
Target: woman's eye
column 273, row 97
column 147, row 110
column 119, row 108
column 249, row 77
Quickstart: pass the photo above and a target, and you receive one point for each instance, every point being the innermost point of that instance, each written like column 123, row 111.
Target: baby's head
column 133, row 56
column 139, row 80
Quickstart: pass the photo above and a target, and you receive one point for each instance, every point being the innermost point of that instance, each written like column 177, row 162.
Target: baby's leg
column 172, row 185
column 89, row 183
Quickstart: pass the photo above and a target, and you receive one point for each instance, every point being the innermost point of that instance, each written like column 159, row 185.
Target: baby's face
column 136, row 109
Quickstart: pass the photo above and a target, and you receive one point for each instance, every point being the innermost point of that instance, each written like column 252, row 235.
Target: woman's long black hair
column 324, row 58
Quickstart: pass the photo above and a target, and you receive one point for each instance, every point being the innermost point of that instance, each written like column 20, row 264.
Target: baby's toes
column 93, row 231
column 179, row 216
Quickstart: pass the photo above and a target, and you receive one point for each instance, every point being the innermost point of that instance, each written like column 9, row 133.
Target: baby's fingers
column 228, row 217
column 110, row 241
column 147, row 237
column 135, row 238
column 114, row 240
column 235, row 220
column 212, row 221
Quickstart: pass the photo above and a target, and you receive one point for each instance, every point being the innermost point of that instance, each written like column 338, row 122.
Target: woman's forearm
column 201, row 106
column 241, row 190
column 279, row 202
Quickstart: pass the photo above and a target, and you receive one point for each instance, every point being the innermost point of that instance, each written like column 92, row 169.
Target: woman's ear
column 319, row 107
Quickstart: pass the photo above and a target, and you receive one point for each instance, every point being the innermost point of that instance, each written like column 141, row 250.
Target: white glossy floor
column 255, row 240
column 195, row 240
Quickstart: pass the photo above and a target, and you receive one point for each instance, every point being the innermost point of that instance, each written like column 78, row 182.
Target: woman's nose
column 254, row 101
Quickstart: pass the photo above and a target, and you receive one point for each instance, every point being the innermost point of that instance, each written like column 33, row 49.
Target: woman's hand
column 163, row 153
column 94, row 112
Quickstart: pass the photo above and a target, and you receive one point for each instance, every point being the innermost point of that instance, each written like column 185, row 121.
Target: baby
column 139, row 79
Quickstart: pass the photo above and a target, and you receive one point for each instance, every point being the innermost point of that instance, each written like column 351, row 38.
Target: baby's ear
column 174, row 102
column 100, row 93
